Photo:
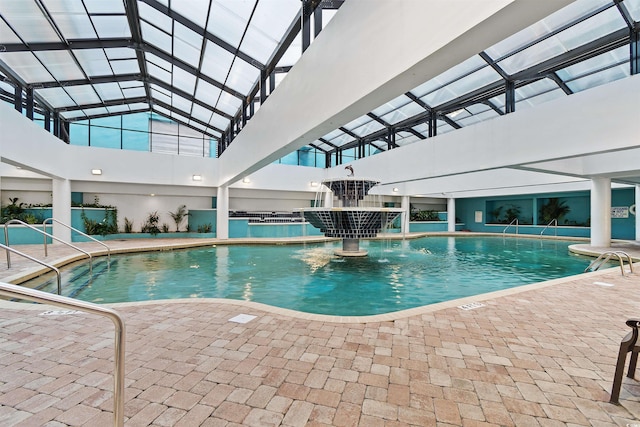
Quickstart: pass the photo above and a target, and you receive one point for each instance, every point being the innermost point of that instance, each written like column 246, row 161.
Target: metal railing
column 515, row 221
column 17, row 221
column 604, row 257
column 15, row 291
column 52, row 220
column 17, row 252
column 549, row 225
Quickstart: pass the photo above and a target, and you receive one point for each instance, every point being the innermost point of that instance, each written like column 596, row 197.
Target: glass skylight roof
column 200, row 61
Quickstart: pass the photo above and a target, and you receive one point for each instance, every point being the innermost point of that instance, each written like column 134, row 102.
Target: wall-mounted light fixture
column 313, row 183
column 197, row 177
column 152, row 194
column 246, row 180
column 395, row 189
column 96, row 171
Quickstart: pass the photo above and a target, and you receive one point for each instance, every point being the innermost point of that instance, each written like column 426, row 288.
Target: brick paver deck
column 541, row 356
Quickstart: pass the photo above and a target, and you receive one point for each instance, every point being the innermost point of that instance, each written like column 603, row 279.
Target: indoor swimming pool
column 397, row 274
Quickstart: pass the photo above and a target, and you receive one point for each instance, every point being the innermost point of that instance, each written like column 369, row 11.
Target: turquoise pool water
column 396, row 275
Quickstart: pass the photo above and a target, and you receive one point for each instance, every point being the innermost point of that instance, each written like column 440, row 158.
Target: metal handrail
column 604, row 257
column 52, row 220
column 15, row 291
column 15, row 251
column 515, row 220
column 17, row 221
column 549, row 225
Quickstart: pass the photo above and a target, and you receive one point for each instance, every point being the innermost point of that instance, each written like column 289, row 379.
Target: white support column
column 61, row 193
column 406, row 215
column 328, row 198
column 601, row 212
column 222, row 213
column 451, row 214
column 636, row 203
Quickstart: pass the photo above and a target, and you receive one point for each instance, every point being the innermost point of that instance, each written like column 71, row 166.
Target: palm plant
column 179, row 215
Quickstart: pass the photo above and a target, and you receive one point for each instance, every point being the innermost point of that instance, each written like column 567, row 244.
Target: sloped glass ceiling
column 206, row 64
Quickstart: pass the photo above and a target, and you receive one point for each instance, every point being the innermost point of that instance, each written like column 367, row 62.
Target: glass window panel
column 79, row 133
column 600, row 62
column 156, row 37
column 104, row 137
column 108, row 91
column 101, row 6
column 459, row 114
column 426, row 88
column 332, row 134
column 111, row 26
column 120, row 53
column 60, row 64
column 74, row 25
column 139, row 106
column 406, row 138
column 464, row 85
column 95, row 111
column 134, row 92
column 228, row 20
column 194, row 10
column 7, row 35
column 293, row 53
column 131, row 84
column 72, row 114
column 27, row 19
column 598, row 79
column 27, row 66
column 136, row 121
column 242, row 76
column 409, row 110
column 191, row 142
column 357, row 122
column 181, row 103
column 201, row 113
column 136, row 141
column 229, row 103
column 186, row 44
column 552, row 22
column 207, row 92
column 368, row 128
column 489, row 114
column 541, row 98
column 166, row 65
column 535, row 88
column 422, row 128
column 498, row 101
column 341, row 140
column 161, row 96
column 267, row 27
column 598, row 26
column 117, row 109
column 391, row 105
column 55, row 96
column 289, row 159
column 158, row 72
column 158, row 18
column 461, row 70
column 216, row 62
column 125, row 67
column 164, row 138
column 83, row 94
column 161, row 112
column 93, row 61
column 443, row 127
column 218, row 121
column 634, row 8
column 184, row 80
column 477, row 108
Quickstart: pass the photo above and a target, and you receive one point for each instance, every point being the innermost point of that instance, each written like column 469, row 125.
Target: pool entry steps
column 344, row 213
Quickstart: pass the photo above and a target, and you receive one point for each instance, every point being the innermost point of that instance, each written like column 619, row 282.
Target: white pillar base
column 601, row 212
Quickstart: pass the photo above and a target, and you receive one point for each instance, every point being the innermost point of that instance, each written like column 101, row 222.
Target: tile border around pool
column 386, row 317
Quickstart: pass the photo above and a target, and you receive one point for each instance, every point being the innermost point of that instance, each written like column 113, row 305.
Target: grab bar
column 52, row 220
column 15, row 291
column 15, row 251
column 515, row 220
column 604, row 257
column 549, row 225
column 17, row 221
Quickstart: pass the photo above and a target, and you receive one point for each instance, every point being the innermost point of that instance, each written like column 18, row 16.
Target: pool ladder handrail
column 604, row 257
column 17, row 252
column 17, row 221
column 515, row 220
column 33, row 295
column 555, row 220
column 52, row 220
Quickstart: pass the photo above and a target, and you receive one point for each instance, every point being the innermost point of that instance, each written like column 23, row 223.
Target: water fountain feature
column 348, row 212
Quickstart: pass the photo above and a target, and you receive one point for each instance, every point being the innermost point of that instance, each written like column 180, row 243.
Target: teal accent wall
column 574, row 224
column 199, row 218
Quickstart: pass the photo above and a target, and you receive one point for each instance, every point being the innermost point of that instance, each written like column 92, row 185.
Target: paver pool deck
column 537, row 355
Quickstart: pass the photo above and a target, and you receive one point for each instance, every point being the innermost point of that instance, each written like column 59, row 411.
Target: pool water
column 396, row 275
